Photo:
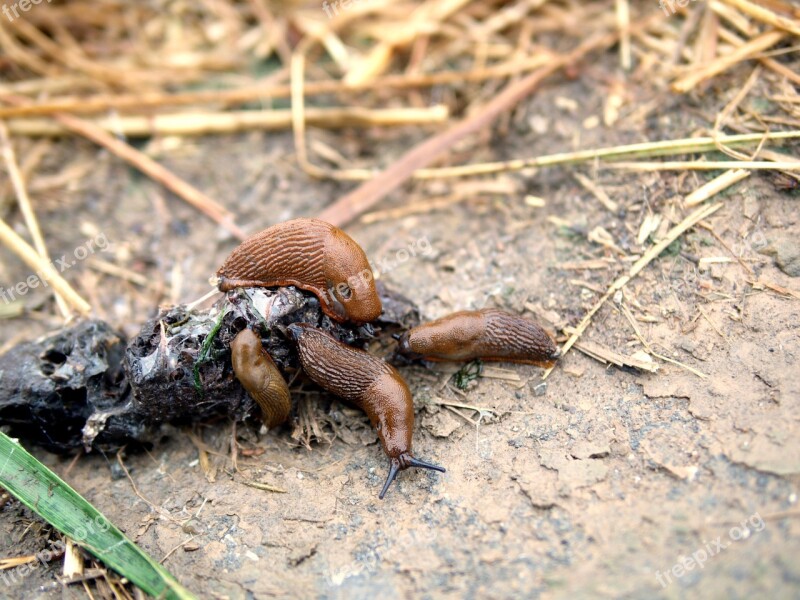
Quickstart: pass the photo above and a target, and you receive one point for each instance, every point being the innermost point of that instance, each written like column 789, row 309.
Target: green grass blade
column 42, row 491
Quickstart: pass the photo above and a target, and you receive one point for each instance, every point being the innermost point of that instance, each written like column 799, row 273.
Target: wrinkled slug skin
column 489, row 334
column 312, row 255
column 363, row 380
column 256, row 371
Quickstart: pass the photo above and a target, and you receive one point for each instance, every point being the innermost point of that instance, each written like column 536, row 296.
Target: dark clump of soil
column 52, row 387
column 84, row 386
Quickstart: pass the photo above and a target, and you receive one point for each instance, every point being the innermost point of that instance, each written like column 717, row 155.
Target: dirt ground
column 598, row 482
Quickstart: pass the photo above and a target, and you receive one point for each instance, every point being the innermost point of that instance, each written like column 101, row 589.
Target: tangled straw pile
column 108, row 70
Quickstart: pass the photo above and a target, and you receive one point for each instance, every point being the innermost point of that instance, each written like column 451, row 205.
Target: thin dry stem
column 24, row 201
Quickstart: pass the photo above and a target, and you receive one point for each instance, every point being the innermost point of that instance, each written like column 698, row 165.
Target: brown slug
column 256, row 371
column 367, row 382
column 489, row 334
column 312, row 255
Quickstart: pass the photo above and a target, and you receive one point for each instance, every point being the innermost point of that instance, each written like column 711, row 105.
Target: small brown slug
column 489, row 334
column 312, row 255
column 367, row 382
column 256, row 371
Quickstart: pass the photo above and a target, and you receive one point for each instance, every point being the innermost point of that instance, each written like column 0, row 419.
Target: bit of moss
column 673, row 249
column 469, row 372
column 204, row 351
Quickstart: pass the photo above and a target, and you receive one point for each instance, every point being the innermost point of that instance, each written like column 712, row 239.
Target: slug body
column 488, row 334
column 367, row 382
column 312, row 255
column 258, row 374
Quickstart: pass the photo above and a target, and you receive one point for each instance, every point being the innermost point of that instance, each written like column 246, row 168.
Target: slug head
column 246, row 353
column 448, row 338
column 295, row 331
column 393, row 416
column 351, row 286
column 404, row 345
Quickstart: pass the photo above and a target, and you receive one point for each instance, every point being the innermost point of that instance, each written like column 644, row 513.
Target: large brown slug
column 256, row 371
column 312, row 255
column 488, row 334
column 367, row 382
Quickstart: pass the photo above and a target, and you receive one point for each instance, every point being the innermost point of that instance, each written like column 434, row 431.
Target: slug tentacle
column 368, row 382
column 403, row 462
column 489, row 334
column 312, row 255
column 394, row 469
column 256, row 371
